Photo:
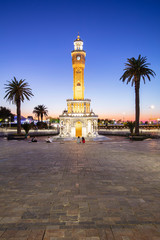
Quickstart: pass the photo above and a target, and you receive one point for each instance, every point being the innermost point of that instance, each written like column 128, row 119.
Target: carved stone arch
column 78, row 120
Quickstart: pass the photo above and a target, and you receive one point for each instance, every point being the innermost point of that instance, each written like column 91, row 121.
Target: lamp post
column 123, row 116
column 151, row 107
column 6, row 120
column 10, row 121
column 48, row 123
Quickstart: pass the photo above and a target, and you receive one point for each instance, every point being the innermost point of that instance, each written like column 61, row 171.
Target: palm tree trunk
column 137, row 107
column 18, row 116
column 41, row 117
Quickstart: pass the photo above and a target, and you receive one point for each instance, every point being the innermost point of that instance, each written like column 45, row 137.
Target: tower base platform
column 82, row 125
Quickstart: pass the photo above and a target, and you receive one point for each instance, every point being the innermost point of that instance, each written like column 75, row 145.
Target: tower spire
column 78, row 37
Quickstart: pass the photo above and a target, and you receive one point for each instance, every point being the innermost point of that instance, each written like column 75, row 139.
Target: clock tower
column 78, row 119
column 78, row 64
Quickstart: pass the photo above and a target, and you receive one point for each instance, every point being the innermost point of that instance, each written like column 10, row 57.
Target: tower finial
column 78, row 37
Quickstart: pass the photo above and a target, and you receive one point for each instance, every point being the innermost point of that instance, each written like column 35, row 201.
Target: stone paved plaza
column 93, row 191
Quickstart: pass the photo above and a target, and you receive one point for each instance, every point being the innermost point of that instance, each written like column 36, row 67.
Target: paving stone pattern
column 93, row 191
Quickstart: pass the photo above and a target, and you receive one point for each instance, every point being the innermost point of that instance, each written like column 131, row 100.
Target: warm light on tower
column 78, row 120
column 78, row 64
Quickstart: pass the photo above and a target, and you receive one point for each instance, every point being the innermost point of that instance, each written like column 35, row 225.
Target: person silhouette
column 78, row 139
column 34, row 139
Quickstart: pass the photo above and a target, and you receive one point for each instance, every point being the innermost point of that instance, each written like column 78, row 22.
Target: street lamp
column 48, row 123
column 10, row 121
column 123, row 116
column 151, row 107
column 6, row 120
column 158, row 122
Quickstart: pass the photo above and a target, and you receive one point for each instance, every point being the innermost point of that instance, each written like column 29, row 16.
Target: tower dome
column 78, row 43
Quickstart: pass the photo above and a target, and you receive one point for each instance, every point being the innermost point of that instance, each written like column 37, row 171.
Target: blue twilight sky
column 36, row 40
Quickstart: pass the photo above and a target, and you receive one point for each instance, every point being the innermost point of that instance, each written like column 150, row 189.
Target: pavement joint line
column 64, row 226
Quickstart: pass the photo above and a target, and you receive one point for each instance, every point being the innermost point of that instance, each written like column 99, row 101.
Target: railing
column 146, row 127
column 78, row 100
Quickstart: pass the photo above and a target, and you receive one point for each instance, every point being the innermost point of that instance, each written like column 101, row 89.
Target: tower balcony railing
column 78, row 114
column 79, row 100
column 78, row 50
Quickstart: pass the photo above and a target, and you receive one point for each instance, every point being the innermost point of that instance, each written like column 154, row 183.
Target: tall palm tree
column 40, row 111
column 134, row 71
column 16, row 92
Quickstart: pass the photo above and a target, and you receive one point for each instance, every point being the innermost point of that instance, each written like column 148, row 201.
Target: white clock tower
column 78, row 120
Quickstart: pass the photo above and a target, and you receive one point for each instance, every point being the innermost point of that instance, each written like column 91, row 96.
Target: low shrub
column 42, row 125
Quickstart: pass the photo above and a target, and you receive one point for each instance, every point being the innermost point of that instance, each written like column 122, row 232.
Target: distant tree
column 134, row 71
column 53, row 120
column 119, row 121
column 5, row 113
column 101, row 122
column 42, row 125
column 111, row 121
column 106, row 122
column 40, row 111
column 16, row 92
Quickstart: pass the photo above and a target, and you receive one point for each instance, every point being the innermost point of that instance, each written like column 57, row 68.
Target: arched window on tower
column 78, row 84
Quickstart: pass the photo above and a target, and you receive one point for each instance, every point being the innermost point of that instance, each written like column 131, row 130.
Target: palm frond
column 17, row 90
column 135, row 69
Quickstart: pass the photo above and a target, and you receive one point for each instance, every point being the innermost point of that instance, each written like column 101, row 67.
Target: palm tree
column 36, row 112
column 40, row 110
column 134, row 71
column 16, row 92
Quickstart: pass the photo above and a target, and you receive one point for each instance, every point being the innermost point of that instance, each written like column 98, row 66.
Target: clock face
column 78, row 58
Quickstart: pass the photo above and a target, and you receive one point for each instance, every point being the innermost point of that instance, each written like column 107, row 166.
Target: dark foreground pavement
column 95, row 191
